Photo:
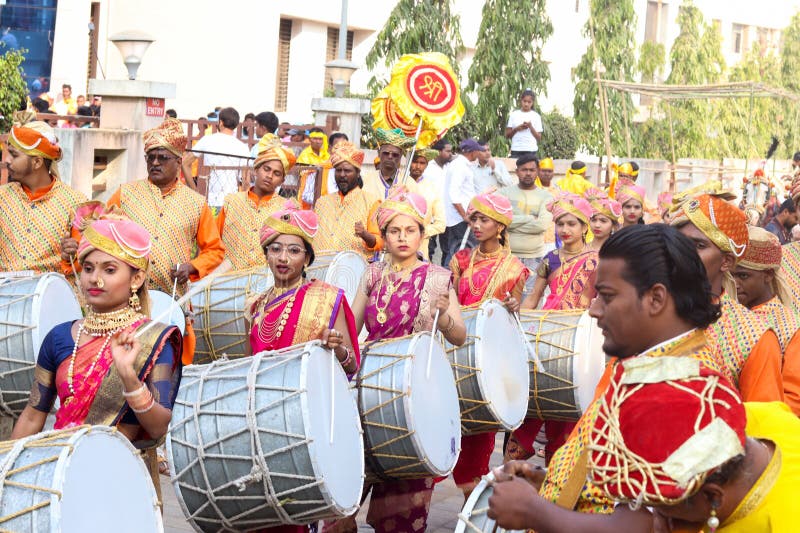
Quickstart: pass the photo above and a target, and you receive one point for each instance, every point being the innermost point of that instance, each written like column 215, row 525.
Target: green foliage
column 651, row 140
column 613, row 22
column 416, row 26
column 508, row 59
column 560, row 136
column 12, row 86
column 790, row 67
column 652, row 57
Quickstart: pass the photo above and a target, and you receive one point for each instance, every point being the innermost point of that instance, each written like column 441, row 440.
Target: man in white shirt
column 223, row 149
column 434, row 176
column 524, row 127
column 490, row 173
column 431, row 191
column 460, row 188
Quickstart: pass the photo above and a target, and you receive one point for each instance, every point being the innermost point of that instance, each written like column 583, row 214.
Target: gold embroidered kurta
column 337, row 217
column 240, row 223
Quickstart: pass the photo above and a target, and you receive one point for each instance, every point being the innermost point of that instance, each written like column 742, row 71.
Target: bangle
column 133, row 394
column 149, row 406
column 346, row 359
column 450, row 325
column 141, row 403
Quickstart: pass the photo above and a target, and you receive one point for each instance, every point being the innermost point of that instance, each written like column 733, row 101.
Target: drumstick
column 195, row 289
column 464, row 240
column 430, row 346
column 334, row 362
column 529, row 348
column 174, row 290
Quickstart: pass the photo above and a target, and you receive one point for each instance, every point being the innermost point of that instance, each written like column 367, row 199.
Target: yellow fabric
column 376, row 187
column 770, row 504
column 308, row 157
column 574, row 183
column 240, row 223
column 337, row 216
column 546, row 163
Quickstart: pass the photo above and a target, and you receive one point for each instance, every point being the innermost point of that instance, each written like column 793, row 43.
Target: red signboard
column 154, row 107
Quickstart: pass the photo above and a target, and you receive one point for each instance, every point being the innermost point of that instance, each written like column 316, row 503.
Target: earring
column 100, row 283
column 713, row 521
column 133, row 301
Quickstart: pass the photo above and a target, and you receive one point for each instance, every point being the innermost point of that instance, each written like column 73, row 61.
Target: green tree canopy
column 790, row 67
column 12, row 86
column 560, row 137
column 611, row 23
column 508, row 59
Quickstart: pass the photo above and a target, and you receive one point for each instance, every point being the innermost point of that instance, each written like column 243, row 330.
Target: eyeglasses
column 277, row 249
column 161, row 158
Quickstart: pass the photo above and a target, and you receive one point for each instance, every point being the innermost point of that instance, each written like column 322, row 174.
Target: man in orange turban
column 38, row 208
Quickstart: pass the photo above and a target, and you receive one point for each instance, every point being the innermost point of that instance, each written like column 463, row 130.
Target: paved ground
column 446, row 504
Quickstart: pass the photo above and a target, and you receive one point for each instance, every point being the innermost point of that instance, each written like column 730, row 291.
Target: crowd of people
column 698, row 309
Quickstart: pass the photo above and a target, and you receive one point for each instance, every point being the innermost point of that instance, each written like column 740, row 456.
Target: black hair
column 84, row 111
column 250, row 115
column 229, row 117
column 440, row 144
column 527, row 158
column 309, row 253
column 727, row 471
column 171, row 113
column 40, row 104
column 267, row 119
column 787, row 205
column 315, row 129
column 577, row 165
column 67, row 86
column 634, row 165
column 337, row 135
column 527, row 92
column 796, row 156
column 657, row 253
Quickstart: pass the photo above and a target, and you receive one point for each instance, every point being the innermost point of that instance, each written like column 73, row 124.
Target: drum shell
column 561, row 339
column 54, row 451
column 230, row 413
column 474, row 511
column 384, row 387
column 29, row 308
column 479, row 412
column 219, row 314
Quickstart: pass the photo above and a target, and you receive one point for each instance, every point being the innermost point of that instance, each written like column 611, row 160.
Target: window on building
column 737, row 38
column 332, row 51
column 282, row 77
column 655, row 25
column 31, row 25
column 94, row 19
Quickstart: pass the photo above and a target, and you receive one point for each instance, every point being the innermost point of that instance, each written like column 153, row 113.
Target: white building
column 259, row 55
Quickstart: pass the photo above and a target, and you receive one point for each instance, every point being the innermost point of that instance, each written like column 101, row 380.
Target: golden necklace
column 268, row 333
column 470, row 269
column 391, row 288
column 97, row 324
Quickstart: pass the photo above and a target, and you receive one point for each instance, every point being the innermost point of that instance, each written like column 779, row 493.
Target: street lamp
column 340, row 70
column 132, row 45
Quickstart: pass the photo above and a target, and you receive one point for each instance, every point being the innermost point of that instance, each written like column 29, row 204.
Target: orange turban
column 36, row 139
column 724, row 224
column 168, row 135
column 270, row 148
column 346, row 152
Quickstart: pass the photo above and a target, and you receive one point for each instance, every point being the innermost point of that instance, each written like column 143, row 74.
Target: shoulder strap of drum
column 577, row 479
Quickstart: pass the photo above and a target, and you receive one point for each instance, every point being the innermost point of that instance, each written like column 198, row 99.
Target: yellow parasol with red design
column 423, row 98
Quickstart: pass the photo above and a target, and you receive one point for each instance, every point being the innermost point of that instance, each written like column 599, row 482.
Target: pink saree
column 572, row 282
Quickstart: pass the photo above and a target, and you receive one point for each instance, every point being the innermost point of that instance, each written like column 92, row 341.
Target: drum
column 266, row 440
column 491, row 370
column 219, row 323
column 472, row 518
column 410, row 419
column 62, row 481
column 30, row 307
column 342, row 269
column 160, row 303
column 570, row 347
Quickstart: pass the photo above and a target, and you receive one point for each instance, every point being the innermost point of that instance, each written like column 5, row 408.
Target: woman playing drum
column 488, row 271
column 571, row 273
column 400, row 297
column 297, row 310
column 100, row 370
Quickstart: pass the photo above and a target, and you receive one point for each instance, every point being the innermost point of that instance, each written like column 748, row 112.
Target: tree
column 416, row 26
column 560, row 136
column 611, row 24
column 12, row 86
column 508, row 59
column 696, row 59
column 790, row 67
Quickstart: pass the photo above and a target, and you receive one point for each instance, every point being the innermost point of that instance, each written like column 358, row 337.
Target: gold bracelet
column 450, row 326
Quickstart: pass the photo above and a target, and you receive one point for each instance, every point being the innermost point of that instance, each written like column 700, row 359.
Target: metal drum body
column 29, row 308
column 219, row 322
column 250, row 446
column 472, row 518
column 410, row 420
column 160, row 303
column 570, row 347
column 88, row 479
column 342, row 269
column 491, row 370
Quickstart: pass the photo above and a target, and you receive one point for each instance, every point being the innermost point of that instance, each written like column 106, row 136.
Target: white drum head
column 345, row 272
column 339, row 462
column 160, row 303
column 432, row 409
column 105, row 487
column 501, row 354
column 55, row 302
column 477, row 503
column 589, row 362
